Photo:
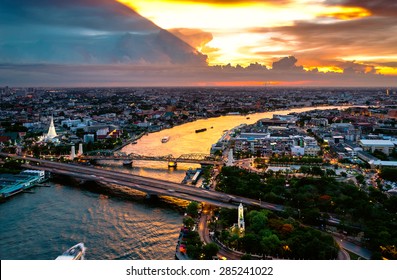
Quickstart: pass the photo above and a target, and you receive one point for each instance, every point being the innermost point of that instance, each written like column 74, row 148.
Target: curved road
column 349, row 246
column 205, row 237
column 161, row 187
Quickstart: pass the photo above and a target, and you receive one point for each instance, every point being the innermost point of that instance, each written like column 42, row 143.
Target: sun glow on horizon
column 242, row 30
column 325, row 69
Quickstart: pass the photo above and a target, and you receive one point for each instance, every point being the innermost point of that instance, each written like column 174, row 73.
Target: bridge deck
column 145, row 184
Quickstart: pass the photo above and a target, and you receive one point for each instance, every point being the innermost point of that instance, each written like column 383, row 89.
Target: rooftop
column 381, row 143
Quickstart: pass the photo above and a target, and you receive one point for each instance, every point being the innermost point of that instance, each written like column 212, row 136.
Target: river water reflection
column 44, row 224
column 184, row 140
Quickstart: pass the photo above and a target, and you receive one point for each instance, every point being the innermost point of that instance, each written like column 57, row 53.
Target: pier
column 192, row 176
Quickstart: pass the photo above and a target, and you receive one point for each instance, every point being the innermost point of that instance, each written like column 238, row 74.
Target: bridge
column 144, row 184
column 202, row 159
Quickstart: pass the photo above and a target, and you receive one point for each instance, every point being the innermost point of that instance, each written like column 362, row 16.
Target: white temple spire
column 51, row 130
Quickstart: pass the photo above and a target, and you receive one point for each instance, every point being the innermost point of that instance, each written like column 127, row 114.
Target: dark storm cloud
column 85, row 31
column 103, row 43
column 286, row 64
column 104, row 15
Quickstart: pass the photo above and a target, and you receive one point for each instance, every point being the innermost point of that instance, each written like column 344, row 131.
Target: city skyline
column 198, row 43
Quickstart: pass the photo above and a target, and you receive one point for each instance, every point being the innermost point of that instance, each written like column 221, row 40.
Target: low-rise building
column 385, row 146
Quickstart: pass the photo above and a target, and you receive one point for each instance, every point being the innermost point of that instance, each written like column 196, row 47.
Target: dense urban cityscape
column 167, row 134
column 314, row 179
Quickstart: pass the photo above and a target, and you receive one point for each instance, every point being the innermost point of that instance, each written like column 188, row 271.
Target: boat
column 165, row 139
column 200, row 130
column 73, row 253
column 127, row 162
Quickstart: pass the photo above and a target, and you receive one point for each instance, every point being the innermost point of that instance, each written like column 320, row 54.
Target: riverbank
column 243, row 119
column 184, row 140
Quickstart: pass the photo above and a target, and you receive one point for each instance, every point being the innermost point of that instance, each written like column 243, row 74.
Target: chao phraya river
column 184, row 139
column 43, row 224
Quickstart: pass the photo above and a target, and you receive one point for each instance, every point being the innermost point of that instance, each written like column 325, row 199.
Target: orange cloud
column 345, row 13
column 242, row 83
column 324, row 69
column 232, row 2
column 387, row 70
column 194, row 37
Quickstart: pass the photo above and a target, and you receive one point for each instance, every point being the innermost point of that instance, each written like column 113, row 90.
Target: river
column 43, row 224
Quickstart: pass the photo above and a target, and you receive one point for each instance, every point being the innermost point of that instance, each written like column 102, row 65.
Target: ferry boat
column 127, row 162
column 201, row 130
column 74, row 253
column 165, row 139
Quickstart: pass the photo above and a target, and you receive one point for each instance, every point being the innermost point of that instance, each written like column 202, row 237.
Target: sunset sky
column 317, row 42
column 322, row 34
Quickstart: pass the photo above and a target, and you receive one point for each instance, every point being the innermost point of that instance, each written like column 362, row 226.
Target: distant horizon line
column 203, row 86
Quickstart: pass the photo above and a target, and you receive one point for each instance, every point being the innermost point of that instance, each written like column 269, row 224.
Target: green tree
column 188, row 222
column 388, row 173
column 193, row 252
column 246, row 257
column 360, row 178
column 270, row 244
column 210, row 250
column 257, row 220
column 330, row 172
column 251, row 243
column 304, row 169
column 192, row 209
column 317, row 171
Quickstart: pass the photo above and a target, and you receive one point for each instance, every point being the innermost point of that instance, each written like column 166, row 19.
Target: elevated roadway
column 144, row 184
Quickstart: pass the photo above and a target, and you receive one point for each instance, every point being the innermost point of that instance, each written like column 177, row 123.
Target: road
column 166, row 188
column 205, row 236
column 145, row 184
column 349, row 246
